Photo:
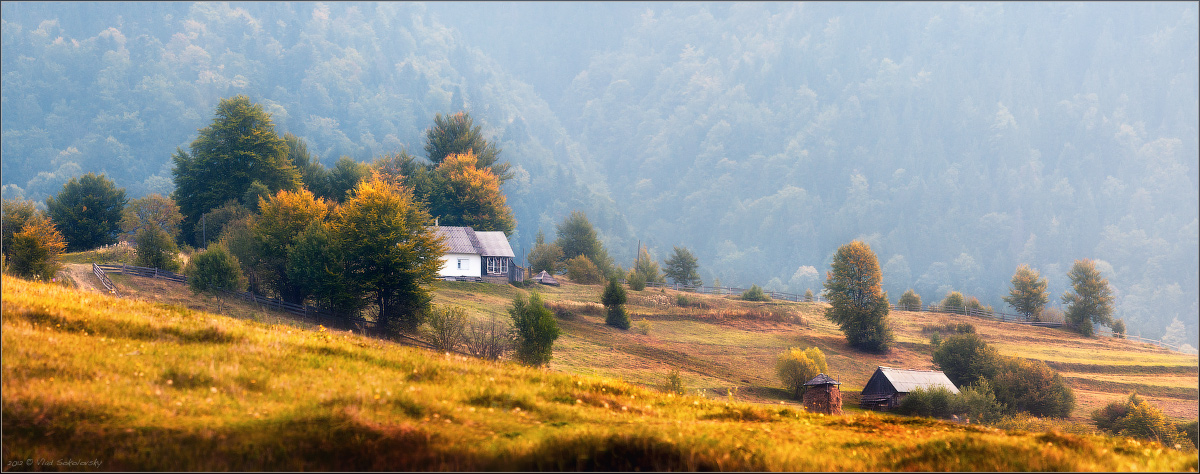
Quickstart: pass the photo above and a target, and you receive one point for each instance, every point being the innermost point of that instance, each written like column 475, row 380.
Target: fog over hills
column 958, row 139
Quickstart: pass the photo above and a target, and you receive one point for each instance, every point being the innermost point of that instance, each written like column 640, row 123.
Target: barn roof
column 465, row 240
column 907, row 380
column 822, row 379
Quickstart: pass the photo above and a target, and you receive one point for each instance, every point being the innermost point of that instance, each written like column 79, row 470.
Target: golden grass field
column 152, row 381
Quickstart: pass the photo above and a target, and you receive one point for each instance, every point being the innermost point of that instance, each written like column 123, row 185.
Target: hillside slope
column 133, row 385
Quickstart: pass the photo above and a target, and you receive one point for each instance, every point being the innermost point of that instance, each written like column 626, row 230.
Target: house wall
column 470, row 265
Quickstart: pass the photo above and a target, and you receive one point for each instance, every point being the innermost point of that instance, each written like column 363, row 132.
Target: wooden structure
column 823, row 395
column 888, row 386
column 545, row 279
column 477, row 256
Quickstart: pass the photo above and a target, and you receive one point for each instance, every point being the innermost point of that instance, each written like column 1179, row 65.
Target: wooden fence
column 730, row 290
column 108, row 284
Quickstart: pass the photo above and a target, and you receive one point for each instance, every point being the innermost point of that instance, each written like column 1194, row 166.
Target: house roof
column 494, row 244
column 907, row 380
column 546, row 278
column 465, row 240
column 822, row 379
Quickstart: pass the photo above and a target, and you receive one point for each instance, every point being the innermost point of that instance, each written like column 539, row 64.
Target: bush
column 808, row 296
column 1050, row 315
column 978, row 402
column 910, row 301
column 1033, row 387
column 156, row 249
column 755, row 294
column 488, row 340
column 965, row 359
column 445, row 327
column 534, row 330
column 974, row 305
column 635, row 281
column 581, row 270
column 35, row 249
column 1118, row 329
column 797, row 366
column 214, row 271
column 1137, row 418
column 953, row 302
column 614, row 300
column 642, row 327
column 674, row 383
column 935, row 339
column 937, row 402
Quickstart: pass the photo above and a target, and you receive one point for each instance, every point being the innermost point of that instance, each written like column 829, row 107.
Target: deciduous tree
column 156, row 249
column 910, row 301
column 966, row 359
column 797, row 366
column 16, row 214
column 534, row 330
column 857, row 301
column 1028, row 292
column 646, row 267
column 214, row 271
column 470, row 196
column 35, row 249
column 87, row 211
column 1091, row 302
column 391, row 254
column 577, row 237
column 545, row 256
column 239, row 147
column 153, row 211
column 282, row 218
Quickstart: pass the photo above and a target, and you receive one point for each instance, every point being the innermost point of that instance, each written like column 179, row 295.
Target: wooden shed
column 823, row 395
column 545, row 279
column 888, row 386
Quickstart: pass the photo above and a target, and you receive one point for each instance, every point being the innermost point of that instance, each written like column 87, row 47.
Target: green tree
column 545, row 256
column 214, row 271
column 457, row 134
column 344, row 176
column 239, row 147
column 313, row 174
column 281, row 220
column 156, row 249
column 682, row 267
column 966, row 359
column 16, row 214
column 1091, row 302
column 755, row 293
column 1028, row 292
column 466, row 195
column 910, row 301
column 635, row 280
column 404, row 168
column 797, row 366
column 212, row 223
column 87, row 211
column 534, row 330
column 35, row 249
column 581, row 270
column 614, row 299
column 646, row 267
column 577, row 237
column 151, row 212
column 954, row 302
column 316, row 268
column 391, row 252
column 1118, row 329
column 857, row 301
column 978, row 402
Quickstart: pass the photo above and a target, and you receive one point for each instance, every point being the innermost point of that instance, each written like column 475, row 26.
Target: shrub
column 910, row 301
column 755, row 294
column 35, row 249
column 16, row 213
column 581, row 270
column 1137, row 418
column 936, row 402
column 935, row 339
column 978, row 402
column 965, row 359
column 534, row 330
column 953, row 302
column 1032, row 387
column 1050, row 315
column 635, row 281
column 808, row 296
column 674, row 383
column 974, row 305
column 797, row 366
column 1118, row 329
column 614, row 300
column 1191, row 431
column 488, row 340
column 156, row 249
column 214, row 271
column 642, row 327
column 445, row 327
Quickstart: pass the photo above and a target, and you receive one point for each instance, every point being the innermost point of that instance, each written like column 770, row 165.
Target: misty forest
column 959, row 140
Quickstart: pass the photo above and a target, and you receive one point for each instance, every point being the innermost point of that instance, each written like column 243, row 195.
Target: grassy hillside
column 149, row 386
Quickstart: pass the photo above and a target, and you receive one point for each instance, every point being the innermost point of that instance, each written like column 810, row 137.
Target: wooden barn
column 823, row 395
column 888, row 386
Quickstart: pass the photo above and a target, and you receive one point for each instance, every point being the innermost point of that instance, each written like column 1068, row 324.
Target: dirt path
column 81, row 274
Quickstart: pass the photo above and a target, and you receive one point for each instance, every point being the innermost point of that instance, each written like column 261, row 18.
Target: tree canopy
column 857, row 302
column 457, row 134
column 681, row 267
column 1028, row 292
column 88, row 211
column 576, row 237
column 1091, row 302
column 237, row 149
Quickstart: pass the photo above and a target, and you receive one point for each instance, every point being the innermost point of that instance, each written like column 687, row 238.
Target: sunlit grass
column 142, row 386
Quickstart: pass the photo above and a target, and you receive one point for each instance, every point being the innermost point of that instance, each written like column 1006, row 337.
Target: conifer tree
column 614, row 300
column 458, row 134
column 576, row 237
column 1028, row 293
column 857, row 302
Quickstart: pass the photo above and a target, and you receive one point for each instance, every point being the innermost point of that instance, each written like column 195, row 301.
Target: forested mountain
column 958, row 139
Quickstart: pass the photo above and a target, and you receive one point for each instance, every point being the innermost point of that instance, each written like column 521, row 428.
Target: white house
column 469, row 254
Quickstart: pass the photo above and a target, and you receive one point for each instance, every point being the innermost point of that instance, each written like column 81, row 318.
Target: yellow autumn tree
column 36, row 248
column 857, row 301
column 281, row 220
column 470, row 196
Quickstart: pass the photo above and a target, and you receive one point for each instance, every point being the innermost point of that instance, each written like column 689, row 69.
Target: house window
column 497, row 265
column 460, row 263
